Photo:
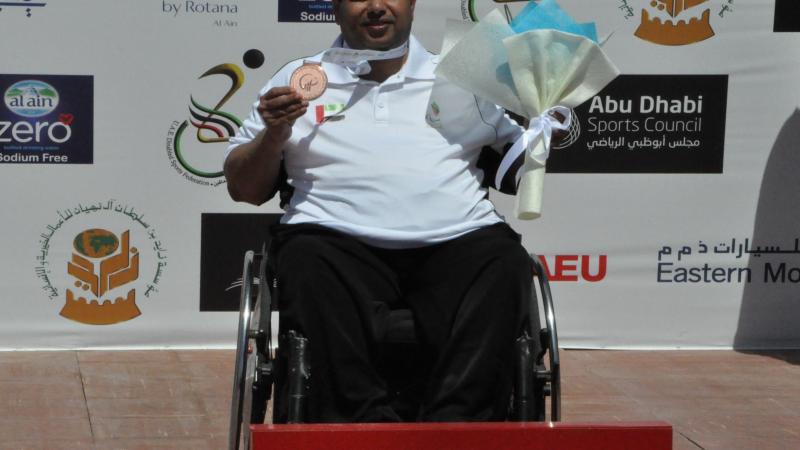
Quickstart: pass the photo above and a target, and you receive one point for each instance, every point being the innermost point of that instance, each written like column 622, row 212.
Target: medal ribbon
column 357, row 61
column 539, row 126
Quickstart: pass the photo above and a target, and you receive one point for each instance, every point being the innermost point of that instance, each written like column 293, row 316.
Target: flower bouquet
column 540, row 66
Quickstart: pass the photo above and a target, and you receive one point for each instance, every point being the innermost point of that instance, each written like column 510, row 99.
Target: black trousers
column 468, row 297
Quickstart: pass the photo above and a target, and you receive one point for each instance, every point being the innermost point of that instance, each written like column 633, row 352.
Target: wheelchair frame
column 255, row 370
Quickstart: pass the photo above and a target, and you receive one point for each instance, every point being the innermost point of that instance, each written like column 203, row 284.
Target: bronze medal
column 310, row 81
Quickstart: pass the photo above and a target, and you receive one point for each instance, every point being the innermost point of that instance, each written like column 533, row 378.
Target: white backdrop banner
column 671, row 216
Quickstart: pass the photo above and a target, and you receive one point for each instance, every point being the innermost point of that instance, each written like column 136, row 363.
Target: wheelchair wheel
column 535, row 379
column 547, row 377
column 252, row 371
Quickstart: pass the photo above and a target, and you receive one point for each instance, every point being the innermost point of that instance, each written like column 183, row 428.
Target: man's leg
column 470, row 306
column 327, row 284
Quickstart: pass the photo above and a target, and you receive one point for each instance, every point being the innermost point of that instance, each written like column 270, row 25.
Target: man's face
column 374, row 24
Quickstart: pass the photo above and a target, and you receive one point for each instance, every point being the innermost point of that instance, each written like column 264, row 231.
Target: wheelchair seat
column 259, row 362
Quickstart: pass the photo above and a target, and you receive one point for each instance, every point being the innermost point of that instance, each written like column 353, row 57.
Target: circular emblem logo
column 31, row 98
column 96, row 243
column 573, row 133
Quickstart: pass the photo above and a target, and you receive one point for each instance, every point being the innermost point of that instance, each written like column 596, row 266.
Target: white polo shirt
column 397, row 166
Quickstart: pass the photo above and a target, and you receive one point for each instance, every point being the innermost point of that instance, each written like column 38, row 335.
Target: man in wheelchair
column 387, row 207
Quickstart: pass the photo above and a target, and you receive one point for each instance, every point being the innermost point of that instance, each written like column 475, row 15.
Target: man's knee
column 511, row 263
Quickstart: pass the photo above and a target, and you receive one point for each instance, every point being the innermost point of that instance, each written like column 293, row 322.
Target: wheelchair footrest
column 473, row 436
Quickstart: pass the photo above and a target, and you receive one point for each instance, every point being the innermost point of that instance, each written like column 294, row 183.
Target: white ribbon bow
column 539, row 126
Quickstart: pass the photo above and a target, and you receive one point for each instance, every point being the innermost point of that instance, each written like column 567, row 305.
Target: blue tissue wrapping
column 546, row 14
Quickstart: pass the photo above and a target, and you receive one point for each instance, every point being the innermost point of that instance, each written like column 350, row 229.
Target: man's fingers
column 281, row 106
column 558, row 116
column 294, row 107
column 280, row 97
column 278, row 91
column 285, row 118
column 278, row 113
column 296, row 115
column 289, row 116
column 282, row 102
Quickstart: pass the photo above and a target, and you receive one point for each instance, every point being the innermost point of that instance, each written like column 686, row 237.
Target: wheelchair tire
column 547, row 379
column 246, row 361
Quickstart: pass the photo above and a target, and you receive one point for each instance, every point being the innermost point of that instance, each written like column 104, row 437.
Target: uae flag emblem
column 329, row 111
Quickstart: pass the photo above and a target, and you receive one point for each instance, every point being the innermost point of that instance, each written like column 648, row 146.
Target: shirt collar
column 420, row 65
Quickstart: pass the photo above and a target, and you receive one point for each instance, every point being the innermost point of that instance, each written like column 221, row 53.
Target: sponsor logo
column 675, row 22
column 648, row 124
column 24, row 6
column 737, row 261
column 198, row 8
column 573, row 132
column 31, row 98
column 314, row 11
column 574, row 268
column 196, row 146
column 113, row 254
column 787, row 16
column 224, row 240
column 46, row 119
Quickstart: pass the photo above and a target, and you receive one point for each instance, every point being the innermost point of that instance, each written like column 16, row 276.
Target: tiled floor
column 179, row 399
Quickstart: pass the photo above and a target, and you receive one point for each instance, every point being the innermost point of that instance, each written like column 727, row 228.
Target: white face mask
column 357, row 61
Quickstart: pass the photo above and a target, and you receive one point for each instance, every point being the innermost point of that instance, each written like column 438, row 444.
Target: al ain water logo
column 102, row 263
column 99, row 273
column 31, row 98
column 196, row 146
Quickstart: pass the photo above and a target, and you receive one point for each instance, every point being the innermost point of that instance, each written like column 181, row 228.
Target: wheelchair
column 259, row 360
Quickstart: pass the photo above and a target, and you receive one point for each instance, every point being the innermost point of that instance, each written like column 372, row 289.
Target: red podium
column 465, row 436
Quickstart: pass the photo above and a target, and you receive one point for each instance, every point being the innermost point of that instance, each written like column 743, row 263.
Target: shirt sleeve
column 252, row 124
column 508, row 131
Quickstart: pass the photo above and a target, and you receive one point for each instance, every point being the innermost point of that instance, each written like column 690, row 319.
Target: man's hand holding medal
column 279, row 108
